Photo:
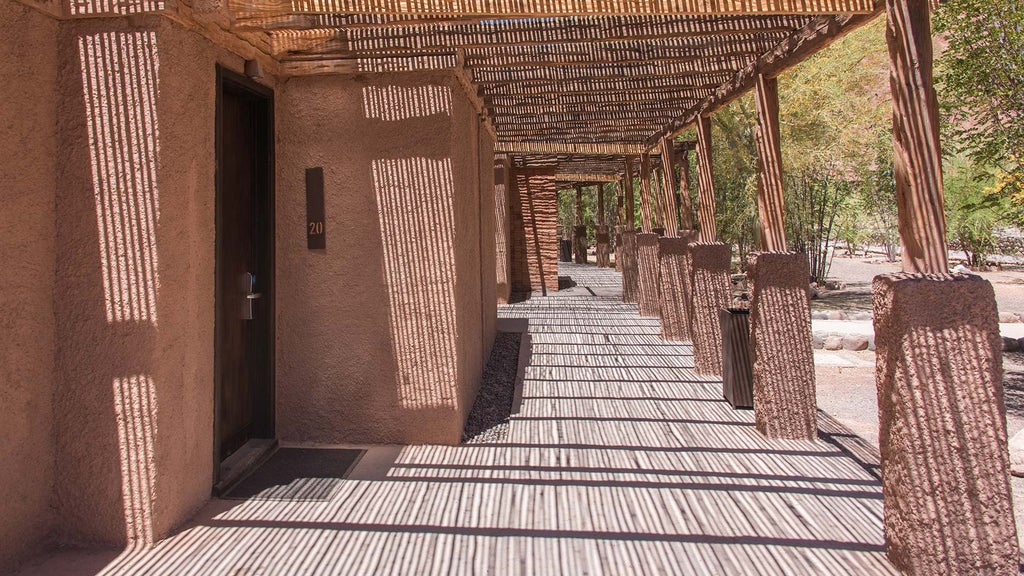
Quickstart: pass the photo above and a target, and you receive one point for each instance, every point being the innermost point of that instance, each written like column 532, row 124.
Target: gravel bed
column 488, row 419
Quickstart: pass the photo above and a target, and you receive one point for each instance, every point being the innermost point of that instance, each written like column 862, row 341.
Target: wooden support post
column 668, row 187
column 917, row 155
column 629, row 200
column 646, row 212
column 706, row 192
column 770, row 201
column 657, row 208
column 601, row 237
column 685, row 201
column 942, row 417
column 620, row 203
column 580, row 230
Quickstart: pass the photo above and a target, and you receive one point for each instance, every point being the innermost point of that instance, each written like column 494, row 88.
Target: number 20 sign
column 316, row 237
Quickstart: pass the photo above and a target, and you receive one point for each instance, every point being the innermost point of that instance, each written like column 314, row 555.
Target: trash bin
column 565, row 250
column 737, row 373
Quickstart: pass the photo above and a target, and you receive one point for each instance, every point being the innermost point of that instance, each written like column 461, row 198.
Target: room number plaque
column 316, row 237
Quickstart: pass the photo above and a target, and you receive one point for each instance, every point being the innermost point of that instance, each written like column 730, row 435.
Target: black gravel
column 488, row 420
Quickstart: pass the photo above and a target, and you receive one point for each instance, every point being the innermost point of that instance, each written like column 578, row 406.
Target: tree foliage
column 981, row 85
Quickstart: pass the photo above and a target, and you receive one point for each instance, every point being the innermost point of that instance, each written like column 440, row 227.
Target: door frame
column 267, row 181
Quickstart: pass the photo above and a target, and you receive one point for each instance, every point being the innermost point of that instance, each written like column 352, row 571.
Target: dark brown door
column 245, row 265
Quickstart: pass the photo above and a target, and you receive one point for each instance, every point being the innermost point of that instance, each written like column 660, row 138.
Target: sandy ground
column 856, row 274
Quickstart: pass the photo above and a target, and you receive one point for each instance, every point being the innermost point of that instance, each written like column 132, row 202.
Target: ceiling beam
column 548, row 8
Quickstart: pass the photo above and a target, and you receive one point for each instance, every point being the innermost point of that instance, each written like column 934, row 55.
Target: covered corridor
column 620, row 460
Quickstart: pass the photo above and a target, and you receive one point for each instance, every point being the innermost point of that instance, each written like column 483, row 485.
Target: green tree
column 981, row 87
column 971, row 216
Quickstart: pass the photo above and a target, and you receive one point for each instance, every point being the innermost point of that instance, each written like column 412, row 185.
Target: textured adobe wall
column 945, row 468
column 676, row 295
column 648, row 274
column 374, row 331
column 712, row 291
column 534, row 210
column 28, row 91
column 135, row 278
column 780, row 346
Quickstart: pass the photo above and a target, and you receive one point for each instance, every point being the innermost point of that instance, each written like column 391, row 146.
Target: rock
column 833, row 343
column 1008, row 318
column 855, row 342
column 818, row 340
column 812, row 292
column 1017, row 454
column 819, row 315
column 862, row 316
column 1011, row 344
column 836, row 315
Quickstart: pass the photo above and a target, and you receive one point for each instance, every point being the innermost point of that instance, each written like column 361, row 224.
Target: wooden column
column 599, row 213
column 770, row 201
column 580, row 231
column 706, row 192
column 668, row 188
column 578, row 221
column 941, row 412
column 646, row 212
column 601, row 237
column 657, row 208
column 628, row 199
column 917, row 155
column 685, row 203
column 620, row 203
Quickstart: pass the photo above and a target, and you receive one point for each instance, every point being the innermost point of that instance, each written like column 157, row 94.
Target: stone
column 861, row 316
column 1016, row 450
column 942, row 426
column 1008, row 318
column 833, row 343
column 781, row 346
column 819, row 315
column 855, row 342
column 1010, row 344
column 818, row 340
column 836, row 315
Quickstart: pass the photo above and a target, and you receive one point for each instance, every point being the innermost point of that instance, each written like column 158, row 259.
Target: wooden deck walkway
column 620, row 460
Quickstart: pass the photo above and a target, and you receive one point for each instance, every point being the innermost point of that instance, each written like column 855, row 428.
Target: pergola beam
column 550, row 8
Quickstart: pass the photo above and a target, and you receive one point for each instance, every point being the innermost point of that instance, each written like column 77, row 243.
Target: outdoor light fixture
column 252, row 69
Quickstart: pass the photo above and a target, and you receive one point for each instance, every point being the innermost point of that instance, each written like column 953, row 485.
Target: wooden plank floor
column 621, row 460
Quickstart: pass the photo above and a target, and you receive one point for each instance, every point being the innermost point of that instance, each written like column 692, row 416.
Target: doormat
column 488, row 419
column 297, row 474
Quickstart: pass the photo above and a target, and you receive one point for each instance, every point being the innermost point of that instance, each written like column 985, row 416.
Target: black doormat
column 488, row 419
column 298, row 474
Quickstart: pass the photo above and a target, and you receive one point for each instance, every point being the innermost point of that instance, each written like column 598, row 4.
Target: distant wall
column 28, row 92
column 379, row 335
column 534, row 215
column 134, row 277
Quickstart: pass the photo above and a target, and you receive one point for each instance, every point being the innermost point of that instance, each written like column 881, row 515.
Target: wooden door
column 245, row 265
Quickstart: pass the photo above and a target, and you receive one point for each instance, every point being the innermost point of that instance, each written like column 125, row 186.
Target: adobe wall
column 28, row 91
column 134, row 278
column 379, row 335
column 534, row 209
